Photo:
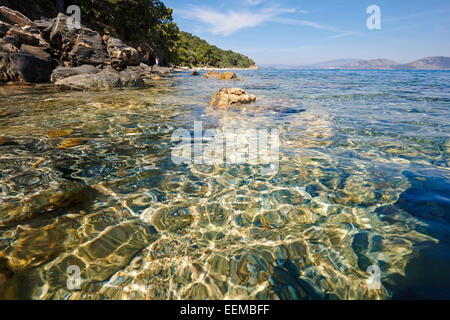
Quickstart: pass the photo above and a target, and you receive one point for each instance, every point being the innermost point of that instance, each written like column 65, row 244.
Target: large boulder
column 88, row 49
column 230, row 97
column 228, row 75
column 76, row 46
column 212, row 75
column 120, row 53
column 23, row 67
column 65, row 72
column 103, row 80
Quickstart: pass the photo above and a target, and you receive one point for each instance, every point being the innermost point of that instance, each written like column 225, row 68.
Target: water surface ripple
column 86, row 179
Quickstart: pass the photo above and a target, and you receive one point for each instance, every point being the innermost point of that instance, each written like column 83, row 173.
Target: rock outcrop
column 22, row 67
column 231, row 96
column 102, row 80
column 73, row 57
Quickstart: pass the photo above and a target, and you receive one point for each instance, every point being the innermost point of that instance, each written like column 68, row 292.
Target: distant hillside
column 371, row 64
column 193, row 51
column 429, row 63
column 331, row 63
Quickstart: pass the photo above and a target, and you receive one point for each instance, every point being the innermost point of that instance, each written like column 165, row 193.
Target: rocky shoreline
column 70, row 57
column 74, row 57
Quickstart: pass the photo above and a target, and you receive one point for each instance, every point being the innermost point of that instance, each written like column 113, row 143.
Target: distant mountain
column 371, row 64
column 429, row 63
column 330, row 64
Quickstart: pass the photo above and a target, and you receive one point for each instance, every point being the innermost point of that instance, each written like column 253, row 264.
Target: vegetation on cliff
column 147, row 24
column 193, row 51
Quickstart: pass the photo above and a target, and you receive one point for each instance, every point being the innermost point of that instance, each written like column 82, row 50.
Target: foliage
column 146, row 23
column 193, row 51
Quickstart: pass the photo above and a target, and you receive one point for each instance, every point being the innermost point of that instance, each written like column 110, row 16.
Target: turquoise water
column 363, row 180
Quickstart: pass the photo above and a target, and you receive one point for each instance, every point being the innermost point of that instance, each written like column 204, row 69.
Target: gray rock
column 77, row 46
column 161, row 70
column 65, row 72
column 88, row 49
column 116, row 49
column 45, row 26
column 30, row 37
column 103, row 80
column 39, row 52
column 22, row 67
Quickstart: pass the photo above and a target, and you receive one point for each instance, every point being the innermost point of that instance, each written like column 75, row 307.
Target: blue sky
column 308, row 31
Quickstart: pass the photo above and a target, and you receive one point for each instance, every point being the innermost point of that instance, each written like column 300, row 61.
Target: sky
column 297, row 32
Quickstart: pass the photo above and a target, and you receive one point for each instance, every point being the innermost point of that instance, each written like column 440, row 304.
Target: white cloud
column 231, row 21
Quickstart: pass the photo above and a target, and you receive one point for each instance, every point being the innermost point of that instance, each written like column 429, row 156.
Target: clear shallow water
column 363, row 180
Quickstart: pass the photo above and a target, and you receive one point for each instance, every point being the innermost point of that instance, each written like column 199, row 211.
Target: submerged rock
column 212, row 75
column 6, row 141
column 227, row 75
column 172, row 219
column 72, row 142
column 231, row 96
column 67, row 195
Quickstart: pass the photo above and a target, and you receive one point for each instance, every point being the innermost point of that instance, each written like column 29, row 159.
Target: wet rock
column 65, row 72
column 227, row 75
column 33, row 247
column 4, row 141
column 72, row 142
column 115, row 248
column 231, row 96
column 67, row 195
column 195, row 73
column 161, row 70
column 60, row 133
column 212, row 75
column 360, row 245
column 118, row 50
column 172, row 219
column 22, row 67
